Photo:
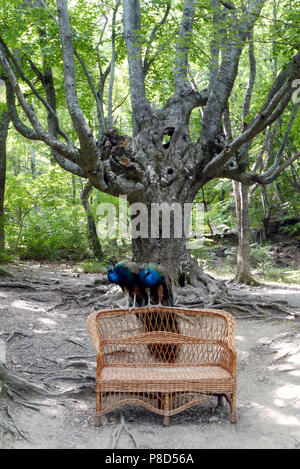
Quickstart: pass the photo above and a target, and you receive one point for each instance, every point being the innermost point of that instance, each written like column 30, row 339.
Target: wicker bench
column 127, row 373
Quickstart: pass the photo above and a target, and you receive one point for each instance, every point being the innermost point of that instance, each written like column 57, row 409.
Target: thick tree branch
column 112, row 67
column 101, row 122
column 30, row 134
column 132, row 27
column 269, row 113
column 228, row 5
column 53, row 128
column 70, row 153
column 23, row 129
column 223, row 83
column 68, row 165
column 269, row 175
column 218, row 32
column 46, row 104
column 250, row 178
column 183, row 47
column 87, row 142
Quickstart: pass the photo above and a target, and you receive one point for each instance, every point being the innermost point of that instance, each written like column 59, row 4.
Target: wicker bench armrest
column 230, row 362
column 93, row 332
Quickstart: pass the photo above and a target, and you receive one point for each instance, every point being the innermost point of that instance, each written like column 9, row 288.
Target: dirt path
column 44, row 330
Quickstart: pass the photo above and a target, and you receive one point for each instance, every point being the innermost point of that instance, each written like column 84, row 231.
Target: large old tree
column 159, row 162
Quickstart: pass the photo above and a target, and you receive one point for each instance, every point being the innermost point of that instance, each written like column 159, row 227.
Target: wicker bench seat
column 127, row 373
column 174, row 376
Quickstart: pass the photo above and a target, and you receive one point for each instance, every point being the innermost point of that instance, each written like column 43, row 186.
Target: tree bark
column 4, row 121
column 171, row 253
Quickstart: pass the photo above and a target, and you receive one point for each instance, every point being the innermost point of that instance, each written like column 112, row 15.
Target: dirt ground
column 44, row 337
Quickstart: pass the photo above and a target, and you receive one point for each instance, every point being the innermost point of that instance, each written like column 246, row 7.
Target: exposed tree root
column 202, row 290
column 243, row 281
column 109, row 300
column 117, row 432
column 9, row 426
column 4, row 273
column 16, row 383
column 205, row 291
column 17, row 285
column 236, row 305
column 199, row 279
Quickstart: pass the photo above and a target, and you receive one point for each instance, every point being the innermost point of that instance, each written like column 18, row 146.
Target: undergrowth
column 220, row 260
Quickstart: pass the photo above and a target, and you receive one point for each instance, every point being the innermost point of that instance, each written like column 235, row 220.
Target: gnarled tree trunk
column 146, row 167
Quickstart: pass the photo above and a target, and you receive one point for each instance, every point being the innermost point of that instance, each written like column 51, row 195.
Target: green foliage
column 218, row 195
column 219, row 259
column 91, row 266
column 293, row 229
column 55, row 233
column 43, row 219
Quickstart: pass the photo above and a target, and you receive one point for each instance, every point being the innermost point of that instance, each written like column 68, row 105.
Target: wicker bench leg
column 166, row 421
column 98, row 418
column 233, row 408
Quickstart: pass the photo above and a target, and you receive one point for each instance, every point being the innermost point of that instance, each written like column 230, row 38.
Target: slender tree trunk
column 33, row 163
column 267, row 212
column 34, row 176
column 92, row 231
column 73, row 187
column 243, row 273
column 206, row 211
column 4, row 121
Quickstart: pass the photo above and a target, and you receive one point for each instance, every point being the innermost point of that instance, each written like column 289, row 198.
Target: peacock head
column 149, row 277
column 112, row 276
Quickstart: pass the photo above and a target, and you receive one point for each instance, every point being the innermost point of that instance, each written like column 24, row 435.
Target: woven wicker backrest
column 170, row 336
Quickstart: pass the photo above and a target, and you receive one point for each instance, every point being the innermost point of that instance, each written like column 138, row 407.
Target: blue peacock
column 126, row 275
column 148, row 284
column 158, row 284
